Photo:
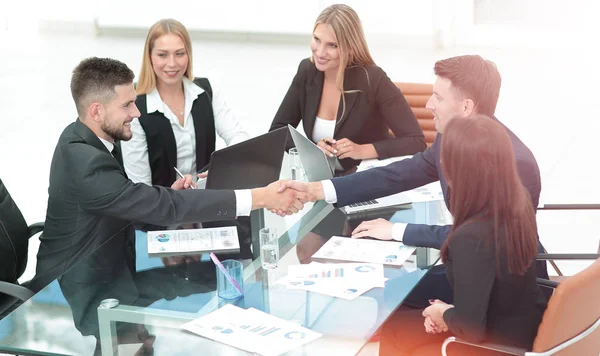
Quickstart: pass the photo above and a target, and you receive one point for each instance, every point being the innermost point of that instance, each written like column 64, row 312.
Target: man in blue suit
column 465, row 86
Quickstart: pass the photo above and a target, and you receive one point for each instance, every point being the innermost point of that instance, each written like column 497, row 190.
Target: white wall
column 547, row 98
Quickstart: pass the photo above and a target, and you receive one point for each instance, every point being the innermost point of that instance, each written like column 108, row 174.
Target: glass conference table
column 157, row 297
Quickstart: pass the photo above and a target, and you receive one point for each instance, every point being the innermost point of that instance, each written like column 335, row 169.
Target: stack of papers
column 341, row 280
column 174, row 242
column 362, row 250
column 251, row 330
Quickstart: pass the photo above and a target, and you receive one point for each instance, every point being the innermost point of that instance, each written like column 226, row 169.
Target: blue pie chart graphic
column 391, row 258
column 364, row 269
column 163, row 237
column 222, row 330
column 351, row 291
column 294, row 335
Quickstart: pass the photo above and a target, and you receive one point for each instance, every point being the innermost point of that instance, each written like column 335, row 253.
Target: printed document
column 173, row 242
column 339, row 248
column 251, row 330
column 341, row 280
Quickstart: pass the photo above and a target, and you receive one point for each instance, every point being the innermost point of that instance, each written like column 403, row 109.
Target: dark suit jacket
column 377, row 106
column 421, row 169
column 504, row 309
column 424, row 168
column 91, row 202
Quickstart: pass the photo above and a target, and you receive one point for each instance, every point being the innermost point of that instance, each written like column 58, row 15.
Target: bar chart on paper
column 343, row 280
column 251, row 330
column 261, row 330
column 338, row 272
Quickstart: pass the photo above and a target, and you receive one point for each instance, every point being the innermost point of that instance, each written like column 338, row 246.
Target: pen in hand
column 182, row 176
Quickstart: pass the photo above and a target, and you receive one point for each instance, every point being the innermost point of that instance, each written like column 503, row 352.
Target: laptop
column 253, row 163
column 318, row 166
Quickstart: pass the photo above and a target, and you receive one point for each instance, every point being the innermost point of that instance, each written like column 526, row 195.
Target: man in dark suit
column 465, row 86
column 92, row 203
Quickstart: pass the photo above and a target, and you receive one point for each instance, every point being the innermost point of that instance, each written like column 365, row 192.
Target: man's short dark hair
column 476, row 78
column 95, row 79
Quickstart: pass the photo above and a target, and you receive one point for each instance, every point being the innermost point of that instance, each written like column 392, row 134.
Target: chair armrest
column 35, row 228
column 569, row 207
column 547, row 283
column 567, row 256
column 484, row 345
column 15, row 290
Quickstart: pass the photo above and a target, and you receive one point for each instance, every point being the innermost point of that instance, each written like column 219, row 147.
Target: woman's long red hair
column 479, row 163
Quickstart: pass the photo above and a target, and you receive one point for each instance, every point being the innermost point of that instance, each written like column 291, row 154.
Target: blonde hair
column 147, row 79
column 352, row 45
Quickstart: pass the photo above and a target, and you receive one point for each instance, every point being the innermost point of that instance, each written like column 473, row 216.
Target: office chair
column 417, row 95
column 571, row 323
column 14, row 244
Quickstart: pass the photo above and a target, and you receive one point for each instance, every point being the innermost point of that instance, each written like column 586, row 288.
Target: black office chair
column 14, row 245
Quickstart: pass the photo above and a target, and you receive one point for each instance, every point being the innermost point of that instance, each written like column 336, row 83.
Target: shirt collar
column 155, row 103
column 109, row 145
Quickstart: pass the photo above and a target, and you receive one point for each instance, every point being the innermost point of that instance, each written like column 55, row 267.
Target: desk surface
column 62, row 320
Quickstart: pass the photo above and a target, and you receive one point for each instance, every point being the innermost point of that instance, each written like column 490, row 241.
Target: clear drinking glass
column 225, row 289
column 296, row 169
column 269, row 247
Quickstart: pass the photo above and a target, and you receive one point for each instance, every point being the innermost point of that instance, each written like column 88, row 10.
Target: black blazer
column 377, row 106
column 504, row 309
column 91, row 201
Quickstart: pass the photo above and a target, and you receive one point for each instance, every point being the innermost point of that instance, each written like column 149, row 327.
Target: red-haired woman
column 489, row 254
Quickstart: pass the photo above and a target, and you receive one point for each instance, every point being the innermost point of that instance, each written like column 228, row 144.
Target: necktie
column 117, row 154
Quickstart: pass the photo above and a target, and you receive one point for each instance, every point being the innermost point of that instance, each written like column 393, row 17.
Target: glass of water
column 269, row 247
column 296, row 169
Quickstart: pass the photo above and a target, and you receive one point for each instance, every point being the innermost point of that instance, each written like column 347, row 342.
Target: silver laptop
column 318, row 166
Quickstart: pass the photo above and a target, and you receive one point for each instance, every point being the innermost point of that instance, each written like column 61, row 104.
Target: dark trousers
column 434, row 285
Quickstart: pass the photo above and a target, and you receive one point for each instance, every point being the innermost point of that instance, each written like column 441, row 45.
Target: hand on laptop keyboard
column 380, row 229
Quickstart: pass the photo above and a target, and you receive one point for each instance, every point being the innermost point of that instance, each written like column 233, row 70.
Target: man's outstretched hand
column 284, row 201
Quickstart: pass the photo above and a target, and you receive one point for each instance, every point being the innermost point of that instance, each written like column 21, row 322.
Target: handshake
column 286, row 197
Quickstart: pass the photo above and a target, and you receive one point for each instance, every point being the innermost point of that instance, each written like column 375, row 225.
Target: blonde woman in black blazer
column 347, row 103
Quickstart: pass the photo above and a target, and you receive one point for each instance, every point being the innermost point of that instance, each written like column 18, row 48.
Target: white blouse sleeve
column 226, row 124
column 135, row 155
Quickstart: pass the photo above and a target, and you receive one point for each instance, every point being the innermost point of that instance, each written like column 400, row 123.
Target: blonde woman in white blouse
column 180, row 114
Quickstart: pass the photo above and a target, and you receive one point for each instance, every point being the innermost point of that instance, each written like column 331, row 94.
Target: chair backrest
column 14, row 238
column 574, row 307
column 417, row 95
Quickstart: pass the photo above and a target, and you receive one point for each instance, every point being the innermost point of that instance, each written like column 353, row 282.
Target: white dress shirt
column 109, row 145
column 135, row 151
column 330, row 196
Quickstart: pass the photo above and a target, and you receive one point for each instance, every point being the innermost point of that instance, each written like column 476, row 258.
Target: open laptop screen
column 250, row 164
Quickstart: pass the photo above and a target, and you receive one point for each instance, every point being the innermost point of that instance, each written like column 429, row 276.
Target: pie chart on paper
column 364, row 269
column 163, row 238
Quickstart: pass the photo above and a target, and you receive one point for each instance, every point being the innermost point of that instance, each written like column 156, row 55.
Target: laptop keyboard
column 363, row 203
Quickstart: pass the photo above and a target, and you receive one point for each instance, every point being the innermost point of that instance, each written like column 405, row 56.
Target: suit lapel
column 314, row 89
column 91, row 139
column 350, row 83
column 437, row 144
